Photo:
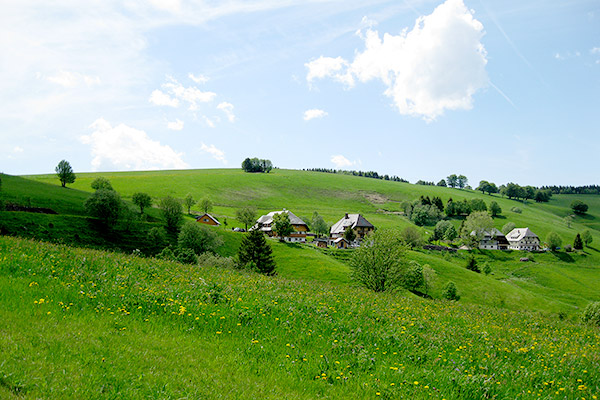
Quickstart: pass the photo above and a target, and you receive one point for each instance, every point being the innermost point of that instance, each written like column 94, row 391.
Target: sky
column 504, row 91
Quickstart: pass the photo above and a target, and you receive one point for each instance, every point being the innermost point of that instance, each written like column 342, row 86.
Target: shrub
column 186, row 256
column 413, row 278
column 553, row 241
column 157, row 236
column 486, row 268
column 568, row 248
column 198, row 238
column 167, row 254
column 101, row 183
column 587, row 237
column 591, row 314
column 215, row 260
column 412, row 237
column 516, row 210
column 450, row 291
column 472, row 265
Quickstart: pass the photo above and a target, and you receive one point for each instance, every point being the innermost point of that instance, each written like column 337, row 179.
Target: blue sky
column 495, row 90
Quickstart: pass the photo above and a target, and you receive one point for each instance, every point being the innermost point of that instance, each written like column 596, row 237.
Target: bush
column 516, row 210
column 450, row 291
column 568, row 248
column 486, row 268
column 591, row 314
column 413, row 278
column 412, row 237
column 186, row 256
column 157, row 236
column 472, row 265
column 198, row 238
column 101, row 183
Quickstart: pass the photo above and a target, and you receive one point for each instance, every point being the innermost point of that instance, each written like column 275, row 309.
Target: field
column 80, row 323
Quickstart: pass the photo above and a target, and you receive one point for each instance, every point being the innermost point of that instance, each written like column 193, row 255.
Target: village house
column 357, row 222
column 265, row 225
column 493, row 240
column 207, row 219
column 340, row 243
column 523, row 239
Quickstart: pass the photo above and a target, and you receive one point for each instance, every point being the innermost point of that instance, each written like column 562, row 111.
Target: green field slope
column 79, row 323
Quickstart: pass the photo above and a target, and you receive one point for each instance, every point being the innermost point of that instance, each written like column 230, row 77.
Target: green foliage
column 65, row 173
column 439, row 232
column 214, row 260
column 411, row 237
column 142, row 200
column 425, row 215
column 185, row 255
column 450, row 291
column 206, row 204
column 157, row 236
column 472, row 265
column 477, row 205
column 318, row 225
column 172, row 212
column 189, row 201
column 579, row 207
column 509, row 226
column 257, row 165
column 486, row 269
column 412, row 278
column 578, row 242
column 476, row 225
column 377, row 263
column 516, row 210
column 349, row 235
column 101, row 183
column 587, row 237
column 553, row 241
column 442, row 183
column 246, row 216
column 591, row 314
column 104, row 205
column 452, row 180
column 256, row 254
column 495, row 209
column 281, row 225
column 198, row 238
column 488, row 187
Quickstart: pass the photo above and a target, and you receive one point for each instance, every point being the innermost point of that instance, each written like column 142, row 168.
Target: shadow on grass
column 565, row 257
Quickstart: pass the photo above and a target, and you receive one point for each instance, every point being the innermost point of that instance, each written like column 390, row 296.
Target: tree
column 568, row 220
column 378, row 263
column 281, row 225
column 189, row 201
column 476, row 225
column 452, row 180
column 172, row 212
column 413, row 278
column 436, row 201
column 104, row 205
column 461, row 181
column 101, row 183
column 425, row 215
column 578, row 242
column 579, row 207
column 477, row 205
column 509, row 226
column 255, row 253
column 450, row 234
column 472, row 265
column 587, row 237
column 440, row 229
column 442, row 183
column 318, row 225
column 142, row 200
column 411, row 237
column 495, row 209
column 349, row 235
column 450, row 292
column 65, row 173
column 206, row 204
column 553, row 241
column 246, row 216
column 199, row 238
column 257, row 165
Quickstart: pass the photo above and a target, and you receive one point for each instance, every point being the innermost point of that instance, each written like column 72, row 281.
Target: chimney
column 346, row 217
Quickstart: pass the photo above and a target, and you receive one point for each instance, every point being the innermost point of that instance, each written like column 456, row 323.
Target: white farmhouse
column 523, row 239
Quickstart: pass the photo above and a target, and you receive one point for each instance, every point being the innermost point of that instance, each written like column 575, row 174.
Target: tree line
column 365, row 174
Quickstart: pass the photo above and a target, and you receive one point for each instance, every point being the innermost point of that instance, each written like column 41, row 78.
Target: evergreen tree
column 578, row 243
column 255, row 253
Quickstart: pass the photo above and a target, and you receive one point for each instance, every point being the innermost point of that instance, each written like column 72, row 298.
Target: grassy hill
column 81, row 323
column 554, row 283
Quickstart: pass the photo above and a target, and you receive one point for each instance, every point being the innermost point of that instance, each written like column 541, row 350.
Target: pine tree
column 578, row 243
column 256, row 253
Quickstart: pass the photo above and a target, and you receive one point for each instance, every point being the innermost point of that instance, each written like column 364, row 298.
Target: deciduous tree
column 318, row 225
column 142, row 200
column 206, row 204
column 189, row 201
column 65, row 173
column 246, row 216
column 104, row 205
column 281, row 225
column 172, row 212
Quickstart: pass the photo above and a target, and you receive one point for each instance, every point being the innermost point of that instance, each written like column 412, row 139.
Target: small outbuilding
column 322, row 243
column 207, row 219
column 340, row 243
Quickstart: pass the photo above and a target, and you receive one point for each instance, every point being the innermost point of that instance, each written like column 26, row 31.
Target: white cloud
column 209, row 122
column 162, row 99
column 217, row 154
column 438, row 65
column 176, row 125
column 341, row 162
column 200, row 79
column 17, row 149
column 73, row 79
column 595, row 50
column 227, row 108
column 314, row 113
column 124, row 147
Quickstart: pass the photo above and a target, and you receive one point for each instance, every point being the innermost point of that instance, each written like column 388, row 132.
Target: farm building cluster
column 517, row 239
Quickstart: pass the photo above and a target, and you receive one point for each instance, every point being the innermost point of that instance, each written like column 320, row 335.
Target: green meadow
column 82, row 318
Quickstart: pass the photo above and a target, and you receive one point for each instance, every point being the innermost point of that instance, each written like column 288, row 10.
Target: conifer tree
column 578, row 243
column 255, row 253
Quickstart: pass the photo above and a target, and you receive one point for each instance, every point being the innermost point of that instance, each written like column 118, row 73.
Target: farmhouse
column 493, row 240
column 207, row 219
column 265, row 224
column 340, row 243
column 523, row 239
column 357, row 222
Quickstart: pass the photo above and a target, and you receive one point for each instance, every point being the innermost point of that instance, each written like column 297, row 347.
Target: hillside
column 554, row 283
column 80, row 323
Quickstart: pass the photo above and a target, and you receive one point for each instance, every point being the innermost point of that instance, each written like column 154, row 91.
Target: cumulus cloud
column 227, row 108
column 124, row 147
column 200, row 79
column 217, row 154
column 438, row 65
column 70, row 79
column 162, row 99
column 17, row 149
column 176, row 125
column 314, row 113
column 341, row 162
column 173, row 93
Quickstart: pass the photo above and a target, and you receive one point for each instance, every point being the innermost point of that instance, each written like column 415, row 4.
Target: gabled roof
column 209, row 216
column 520, row 233
column 352, row 221
column 492, row 233
column 268, row 218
